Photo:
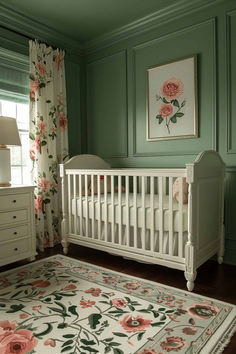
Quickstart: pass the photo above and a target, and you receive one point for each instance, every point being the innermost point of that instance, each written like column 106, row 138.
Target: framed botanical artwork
column 172, row 100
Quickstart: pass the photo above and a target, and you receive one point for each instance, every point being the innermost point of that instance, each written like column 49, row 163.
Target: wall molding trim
column 229, row 17
column 24, row 25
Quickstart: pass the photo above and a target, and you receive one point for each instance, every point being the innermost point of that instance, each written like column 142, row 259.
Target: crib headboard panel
column 86, row 161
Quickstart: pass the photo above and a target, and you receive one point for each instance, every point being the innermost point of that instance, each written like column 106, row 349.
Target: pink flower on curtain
column 32, row 95
column 44, row 184
column 34, row 84
column 41, row 69
column 32, row 155
column 38, row 143
column 62, row 121
column 58, row 61
column 38, row 204
column 42, row 127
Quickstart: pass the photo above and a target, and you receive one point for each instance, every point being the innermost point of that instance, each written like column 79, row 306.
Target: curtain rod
column 26, row 36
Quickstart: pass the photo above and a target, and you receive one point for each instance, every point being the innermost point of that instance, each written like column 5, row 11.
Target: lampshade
column 9, row 134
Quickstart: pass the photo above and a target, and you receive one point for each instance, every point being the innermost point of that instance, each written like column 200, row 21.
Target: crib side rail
column 101, row 212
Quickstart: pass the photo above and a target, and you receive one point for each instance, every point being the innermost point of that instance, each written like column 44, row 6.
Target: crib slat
column 127, row 210
column 105, row 206
column 135, row 210
column 170, row 216
column 120, row 208
column 99, row 207
column 69, row 203
column 86, row 204
column 112, row 211
column 75, row 201
column 143, row 212
column 152, row 220
column 160, row 194
column 180, row 234
column 93, row 205
column 80, row 205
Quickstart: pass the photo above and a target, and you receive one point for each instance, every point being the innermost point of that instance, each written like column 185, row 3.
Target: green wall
column 116, row 96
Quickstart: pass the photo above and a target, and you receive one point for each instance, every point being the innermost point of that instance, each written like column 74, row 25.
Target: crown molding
column 31, row 28
column 147, row 23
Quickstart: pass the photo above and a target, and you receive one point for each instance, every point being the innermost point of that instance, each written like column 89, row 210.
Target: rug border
column 211, row 346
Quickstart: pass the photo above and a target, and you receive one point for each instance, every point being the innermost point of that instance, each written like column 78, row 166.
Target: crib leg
column 221, row 251
column 65, row 245
column 190, row 277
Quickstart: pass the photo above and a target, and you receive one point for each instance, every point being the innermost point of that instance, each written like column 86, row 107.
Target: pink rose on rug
column 20, row 341
column 189, row 330
column 166, row 110
column 94, row 292
column 135, row 324
column 70, row 287
column 62, row 121
column 173, row 343
column 23, row 315
column 84, row 304
column 132, row 285
column 8, row 326
column 37, row 307
column 172, row 88
column 50, row 342
column 203, row 311
column 150, row 351
column 40, row 283
column 119, row 302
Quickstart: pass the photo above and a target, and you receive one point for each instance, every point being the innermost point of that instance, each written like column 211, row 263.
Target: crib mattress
column 102, row 207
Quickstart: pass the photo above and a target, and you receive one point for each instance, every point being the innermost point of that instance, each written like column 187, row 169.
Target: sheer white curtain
column 48, row 138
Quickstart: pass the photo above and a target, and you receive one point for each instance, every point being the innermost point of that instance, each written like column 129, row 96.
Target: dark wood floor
column 213, row 280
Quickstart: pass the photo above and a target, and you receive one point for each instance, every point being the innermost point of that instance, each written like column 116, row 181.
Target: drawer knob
column 15, row 233
column 16, row 249
column 14, row 201
column 14, row 217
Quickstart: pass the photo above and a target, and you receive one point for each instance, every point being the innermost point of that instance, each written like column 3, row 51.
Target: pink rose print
column 8, row 326
column 42, row 127
column 84, row 304
column 70, row 287
column 135, row 324
column 58, row 61
column 203, row 311
column 32, row 95
column 172, row 88
column 37, row 307
column 38, row 143
column 119, row 302
column 50, row 342
column 132, row 285
column 189, row 330
column 4, row 282
column 23, row 315
column 41, row 68
column 20, row 341
column 173, row 343
column 166, row 110
column 110, row 280
column 62, row 121
column 32, row 155
column 40, row 283
column 45, row 184
column 93, row 291
column 34, row 85
column 150, row 351
column 38, row 204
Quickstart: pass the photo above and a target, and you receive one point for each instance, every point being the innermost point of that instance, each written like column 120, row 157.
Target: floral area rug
column 61, row 305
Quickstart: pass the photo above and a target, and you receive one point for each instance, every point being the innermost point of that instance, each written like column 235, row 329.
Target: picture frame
column 172, row 100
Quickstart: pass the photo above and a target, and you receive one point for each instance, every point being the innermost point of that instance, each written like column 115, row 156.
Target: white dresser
column 17, row 228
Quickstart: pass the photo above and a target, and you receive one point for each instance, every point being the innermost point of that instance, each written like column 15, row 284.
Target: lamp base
column 5, row 184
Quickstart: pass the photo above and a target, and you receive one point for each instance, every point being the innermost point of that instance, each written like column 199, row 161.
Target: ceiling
column 85, row 20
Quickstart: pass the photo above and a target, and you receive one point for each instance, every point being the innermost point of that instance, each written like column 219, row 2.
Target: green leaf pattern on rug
column 63, row 306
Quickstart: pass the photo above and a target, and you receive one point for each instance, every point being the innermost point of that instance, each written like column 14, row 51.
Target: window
column 20, row 161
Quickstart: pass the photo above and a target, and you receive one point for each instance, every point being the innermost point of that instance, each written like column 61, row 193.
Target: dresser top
column 17, row 186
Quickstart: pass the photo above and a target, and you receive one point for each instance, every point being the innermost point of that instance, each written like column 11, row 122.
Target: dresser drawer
column 14, row 248
column 14, row 232
column 11, row 201
column 14, row 217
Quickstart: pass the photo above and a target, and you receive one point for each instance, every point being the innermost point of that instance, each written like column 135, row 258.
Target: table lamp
column 9, row 135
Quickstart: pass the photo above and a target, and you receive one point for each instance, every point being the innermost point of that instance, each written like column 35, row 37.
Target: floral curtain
column 48, row 138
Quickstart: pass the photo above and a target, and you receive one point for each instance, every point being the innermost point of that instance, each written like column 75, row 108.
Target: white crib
column 132, row 213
